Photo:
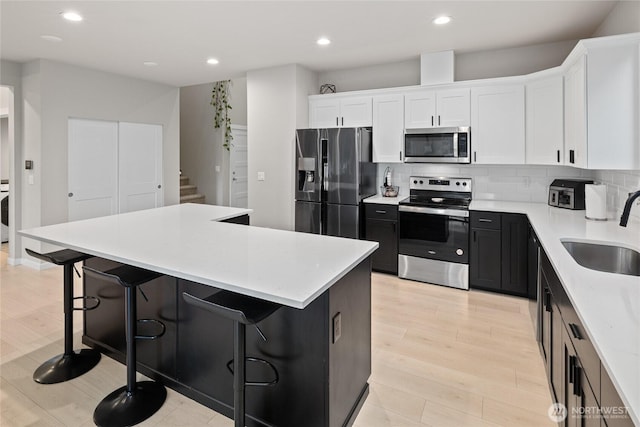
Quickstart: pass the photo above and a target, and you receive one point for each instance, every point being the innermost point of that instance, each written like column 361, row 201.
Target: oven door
column 437, row 234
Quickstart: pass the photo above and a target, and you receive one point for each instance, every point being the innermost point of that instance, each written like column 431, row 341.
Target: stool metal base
column 123, row 408
column 64, row 367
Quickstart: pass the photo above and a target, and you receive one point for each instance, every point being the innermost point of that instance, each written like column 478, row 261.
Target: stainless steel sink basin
column 608, row 258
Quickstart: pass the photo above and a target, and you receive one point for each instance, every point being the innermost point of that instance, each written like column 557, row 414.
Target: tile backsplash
column 619, row 185
column 522, row 183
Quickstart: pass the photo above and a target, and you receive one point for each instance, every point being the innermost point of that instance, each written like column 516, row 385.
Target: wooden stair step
column 186, row 190
column 184, row 180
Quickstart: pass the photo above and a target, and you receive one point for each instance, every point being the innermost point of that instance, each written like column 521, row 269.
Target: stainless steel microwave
column 438, row 145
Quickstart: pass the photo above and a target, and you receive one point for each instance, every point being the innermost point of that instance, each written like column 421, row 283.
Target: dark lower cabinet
column 498, row 258
column 515, row 233
column 576, row 377
column 323, row 379
column 382, row 227
column 485, row 260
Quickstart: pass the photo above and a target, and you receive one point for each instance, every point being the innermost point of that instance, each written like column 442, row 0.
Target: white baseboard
column 36, row 265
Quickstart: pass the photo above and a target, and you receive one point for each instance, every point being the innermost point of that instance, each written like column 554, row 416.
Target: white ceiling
column 118, row 36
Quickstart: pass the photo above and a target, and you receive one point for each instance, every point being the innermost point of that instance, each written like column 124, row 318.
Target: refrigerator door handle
column 325, row 176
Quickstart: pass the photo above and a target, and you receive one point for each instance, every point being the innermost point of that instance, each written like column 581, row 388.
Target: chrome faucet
column 627, row 208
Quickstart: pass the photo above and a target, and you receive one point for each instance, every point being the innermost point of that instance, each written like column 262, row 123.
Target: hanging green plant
column 221, row 105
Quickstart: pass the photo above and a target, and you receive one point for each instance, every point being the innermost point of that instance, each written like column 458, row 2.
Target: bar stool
column 136, row 401
column 243, row 310
column 69, row 364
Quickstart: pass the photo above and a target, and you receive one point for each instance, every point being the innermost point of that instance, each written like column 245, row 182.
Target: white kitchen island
column 318, row 280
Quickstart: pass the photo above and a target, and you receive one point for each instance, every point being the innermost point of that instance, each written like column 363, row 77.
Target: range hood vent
column 437, row 68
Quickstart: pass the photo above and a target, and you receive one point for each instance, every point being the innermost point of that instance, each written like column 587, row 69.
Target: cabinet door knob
column 70, row 194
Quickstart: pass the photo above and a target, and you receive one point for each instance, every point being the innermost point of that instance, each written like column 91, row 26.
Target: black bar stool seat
column 70, row 364
column 137, row 400
column 242, row 310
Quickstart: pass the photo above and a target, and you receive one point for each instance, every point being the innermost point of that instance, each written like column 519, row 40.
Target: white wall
column 276, row 106
column 623, row 18
column 201, row 144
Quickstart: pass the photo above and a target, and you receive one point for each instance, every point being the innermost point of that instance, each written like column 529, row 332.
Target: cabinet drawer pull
column 558, row 154
column 484, row 220
column 572, row 366
column 575, row 331
column 431, row 120
column 547, row 300
column 475, row 157
column 577, row 386
column 438, row 120
column 381, row 212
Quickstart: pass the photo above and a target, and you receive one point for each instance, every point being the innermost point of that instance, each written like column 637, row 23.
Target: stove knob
column 421, row 182
column 464, row 184
column 459, row 251
column 458, row 183
column 415, row 181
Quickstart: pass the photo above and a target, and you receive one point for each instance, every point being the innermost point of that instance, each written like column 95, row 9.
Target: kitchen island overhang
column 318, row 280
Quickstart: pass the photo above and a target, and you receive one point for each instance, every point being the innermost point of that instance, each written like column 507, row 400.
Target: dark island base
column 323, row 380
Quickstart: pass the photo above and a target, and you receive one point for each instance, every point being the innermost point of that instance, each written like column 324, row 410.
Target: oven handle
column 434, row 211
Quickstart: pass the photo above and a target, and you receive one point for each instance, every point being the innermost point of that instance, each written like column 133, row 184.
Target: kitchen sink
column 602, row 257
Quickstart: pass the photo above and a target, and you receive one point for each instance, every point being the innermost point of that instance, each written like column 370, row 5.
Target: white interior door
column 92, row 171
column 238, row 168
column 139, row 166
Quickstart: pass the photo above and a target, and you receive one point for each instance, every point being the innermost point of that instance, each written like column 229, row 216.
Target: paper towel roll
column 595, row 200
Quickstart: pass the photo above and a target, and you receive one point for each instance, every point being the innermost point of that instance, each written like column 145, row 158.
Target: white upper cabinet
column 575, row 114
column 602, row 111
column 340, row 112
column 388, row 129
column 497, row 124
column 544, row 121
column 429, row 108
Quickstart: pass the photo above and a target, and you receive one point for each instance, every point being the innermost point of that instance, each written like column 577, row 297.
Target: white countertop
column 608, row 304
column 187, row 242
column 380, row 199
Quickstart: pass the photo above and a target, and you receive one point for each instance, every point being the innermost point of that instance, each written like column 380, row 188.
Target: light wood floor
column 441, row 357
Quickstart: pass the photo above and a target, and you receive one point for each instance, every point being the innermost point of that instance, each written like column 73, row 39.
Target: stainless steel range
column 433, row 243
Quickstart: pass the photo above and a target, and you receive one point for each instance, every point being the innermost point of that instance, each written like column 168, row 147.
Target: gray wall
column 201, row 144
column 53, row 93
column 277, row 104
column 623, row 18
column 468, row 66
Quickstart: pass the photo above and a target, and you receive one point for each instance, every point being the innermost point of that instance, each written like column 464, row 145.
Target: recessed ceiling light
column 212, row 61
column 71, row 16
column 323, row 41
column 51, row 38
column 441, row 20
column 150, row 64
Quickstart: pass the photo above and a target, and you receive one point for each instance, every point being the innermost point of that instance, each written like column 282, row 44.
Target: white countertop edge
column 226, row 286
column 382, row 200
column 527, row 208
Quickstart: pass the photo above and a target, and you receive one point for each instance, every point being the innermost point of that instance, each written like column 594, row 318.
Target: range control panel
column 440, row 184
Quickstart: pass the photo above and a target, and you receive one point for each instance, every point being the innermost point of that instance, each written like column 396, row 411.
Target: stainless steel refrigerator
column 334, row 173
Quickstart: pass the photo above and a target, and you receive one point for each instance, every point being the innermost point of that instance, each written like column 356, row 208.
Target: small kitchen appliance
column 433, row 242
column 568, row 193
